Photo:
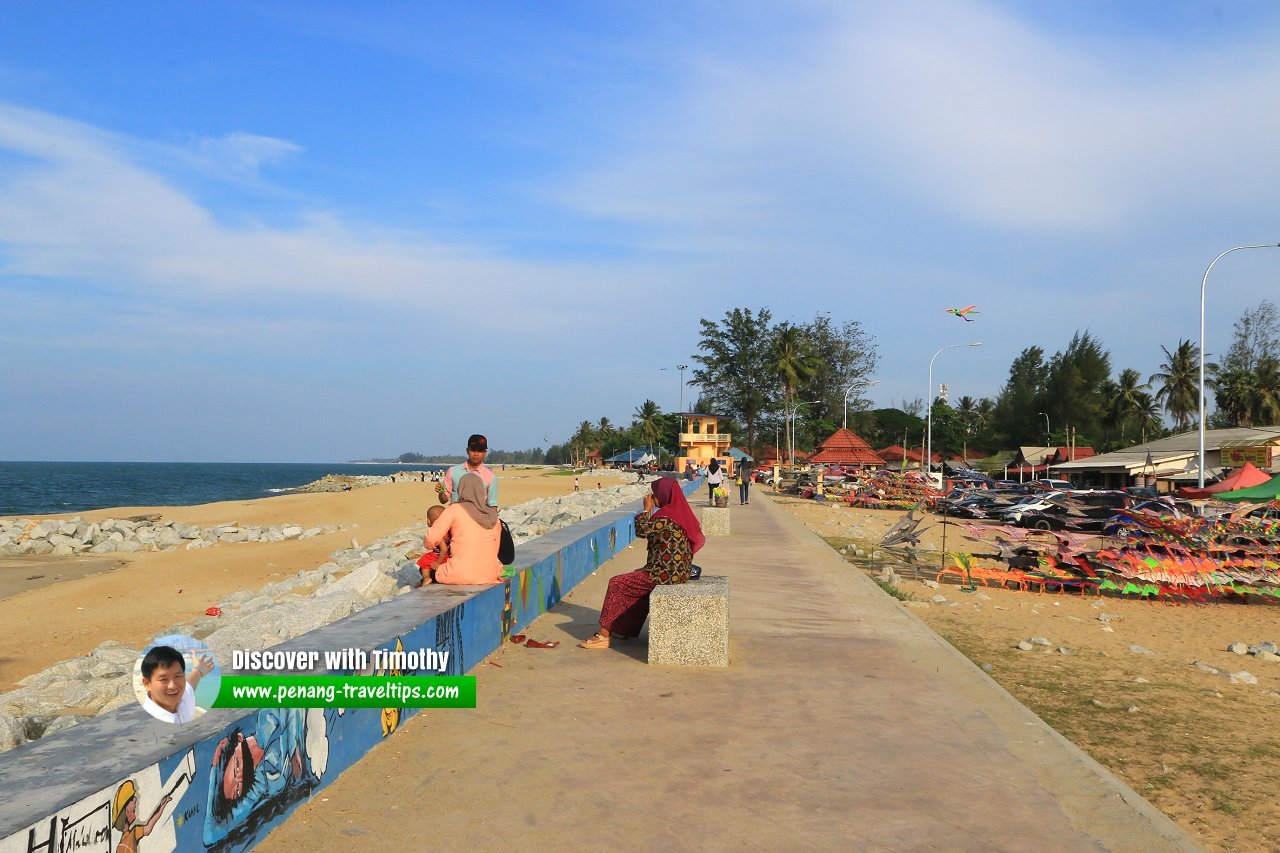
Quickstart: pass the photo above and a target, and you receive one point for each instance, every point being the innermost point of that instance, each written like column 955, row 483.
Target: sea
column 48, row 488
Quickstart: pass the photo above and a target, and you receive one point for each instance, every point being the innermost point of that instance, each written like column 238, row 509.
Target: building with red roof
column 844, row 447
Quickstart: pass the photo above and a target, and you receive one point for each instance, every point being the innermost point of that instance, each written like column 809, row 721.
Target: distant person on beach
column 477, row 449
column 471, row 527
column 171, row 692
column 674, row 536
column 714, row 478
column 575, row 484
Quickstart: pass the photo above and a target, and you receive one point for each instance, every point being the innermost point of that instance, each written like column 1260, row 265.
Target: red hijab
column 672, row 505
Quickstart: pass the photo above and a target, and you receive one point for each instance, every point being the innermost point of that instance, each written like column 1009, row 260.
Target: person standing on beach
column 477, row 449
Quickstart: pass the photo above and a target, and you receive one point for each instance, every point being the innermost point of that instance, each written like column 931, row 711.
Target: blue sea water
column 45, row 488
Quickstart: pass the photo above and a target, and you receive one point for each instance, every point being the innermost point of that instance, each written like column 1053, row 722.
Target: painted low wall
column 126, row 778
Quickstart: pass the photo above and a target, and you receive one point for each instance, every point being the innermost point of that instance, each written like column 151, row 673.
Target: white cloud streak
column 958, row 109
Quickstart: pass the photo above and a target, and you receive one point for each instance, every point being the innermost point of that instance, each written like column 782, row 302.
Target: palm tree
column 1178, row 377
column 1125, row 399
column 1147, row 414
column 795, row 362
column 648, row 417
column 582, row 441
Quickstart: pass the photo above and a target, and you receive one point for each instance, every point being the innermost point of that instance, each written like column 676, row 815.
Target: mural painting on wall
column 391, row 716
column 261, row 771
column 449, row 638
column 141, row 813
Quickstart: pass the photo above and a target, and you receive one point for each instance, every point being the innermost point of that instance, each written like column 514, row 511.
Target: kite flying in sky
column 963, row 313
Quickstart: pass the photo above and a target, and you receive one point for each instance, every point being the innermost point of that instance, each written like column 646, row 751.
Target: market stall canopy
column 1268, row 491
column 1245, row 477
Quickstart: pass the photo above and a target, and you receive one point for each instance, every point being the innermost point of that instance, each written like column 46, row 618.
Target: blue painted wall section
column 225, row 780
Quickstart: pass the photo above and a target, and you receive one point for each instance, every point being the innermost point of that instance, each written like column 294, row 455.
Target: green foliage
column 734, row 373
column 747, row 364
column 1177, row 382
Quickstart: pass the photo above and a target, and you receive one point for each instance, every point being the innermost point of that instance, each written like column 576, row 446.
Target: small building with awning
column 1169, row 461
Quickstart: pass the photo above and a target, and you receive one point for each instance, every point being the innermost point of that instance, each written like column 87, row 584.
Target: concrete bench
column 689, row 623
column 715, row 521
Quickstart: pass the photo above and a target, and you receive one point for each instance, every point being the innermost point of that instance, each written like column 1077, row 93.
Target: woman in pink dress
column 674, row 536
column 471, row 527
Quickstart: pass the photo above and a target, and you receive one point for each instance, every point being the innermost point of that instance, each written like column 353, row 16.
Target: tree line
column 767, row 376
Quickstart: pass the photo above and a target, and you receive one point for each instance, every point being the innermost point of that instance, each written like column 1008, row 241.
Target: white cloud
column 75, row 205
column 954, row 108
column 246, row 150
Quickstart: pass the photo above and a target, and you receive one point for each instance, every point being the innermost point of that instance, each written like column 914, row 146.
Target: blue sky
column 319, row 231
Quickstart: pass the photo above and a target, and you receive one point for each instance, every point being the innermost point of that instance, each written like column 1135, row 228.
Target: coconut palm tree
column 1147, row 415
column 1124, row 399
column 1178, row 382
column 648, row 417
column 795, row 362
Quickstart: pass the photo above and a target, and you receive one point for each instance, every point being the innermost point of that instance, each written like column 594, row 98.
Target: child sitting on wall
column 429, row 559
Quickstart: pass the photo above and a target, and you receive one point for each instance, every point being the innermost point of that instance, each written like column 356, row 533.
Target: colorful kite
column 963, row 313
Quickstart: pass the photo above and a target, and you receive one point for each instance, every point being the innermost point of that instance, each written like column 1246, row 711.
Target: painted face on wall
column 233, row 775
column 166, row 685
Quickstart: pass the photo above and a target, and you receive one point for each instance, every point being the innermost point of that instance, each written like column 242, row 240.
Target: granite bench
column 689, row 623
column 715, row 521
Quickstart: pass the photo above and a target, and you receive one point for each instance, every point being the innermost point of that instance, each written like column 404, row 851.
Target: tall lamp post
column 928, row 454
column 861, row 383
column 1046, row 429
column 682, row 368
column 1203, row 282
column 791, row 433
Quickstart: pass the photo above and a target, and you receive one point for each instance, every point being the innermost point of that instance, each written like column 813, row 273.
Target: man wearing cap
column 477, row 448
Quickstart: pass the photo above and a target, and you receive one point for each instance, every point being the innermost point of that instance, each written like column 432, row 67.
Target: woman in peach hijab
column 472, row 528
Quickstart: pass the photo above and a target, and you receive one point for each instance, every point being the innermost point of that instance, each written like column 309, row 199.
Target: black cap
column 477, row 442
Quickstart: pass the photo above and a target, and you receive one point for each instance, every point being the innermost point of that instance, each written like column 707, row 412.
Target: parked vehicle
column 1054, row 485
column 1042, row 500
column 1142, row 492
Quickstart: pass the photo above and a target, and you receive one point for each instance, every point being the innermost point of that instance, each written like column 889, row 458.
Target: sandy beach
column 1201, row 748
column 79, row 602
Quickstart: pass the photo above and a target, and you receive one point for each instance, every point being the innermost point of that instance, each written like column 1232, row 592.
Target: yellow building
column 701, row 441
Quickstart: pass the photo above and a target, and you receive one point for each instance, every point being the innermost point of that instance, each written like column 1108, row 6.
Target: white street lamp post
column 928, row 453
column 862, row 383
column 791, row 436
column 1203, row 282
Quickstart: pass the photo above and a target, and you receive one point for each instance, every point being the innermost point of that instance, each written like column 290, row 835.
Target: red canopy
column 1246, row 476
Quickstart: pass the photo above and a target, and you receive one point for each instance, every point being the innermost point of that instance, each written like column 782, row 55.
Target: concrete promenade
column 842, row 723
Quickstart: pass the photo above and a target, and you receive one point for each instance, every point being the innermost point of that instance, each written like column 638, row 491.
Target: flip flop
column 595, row 641
column 538, row 644
column 518, row 639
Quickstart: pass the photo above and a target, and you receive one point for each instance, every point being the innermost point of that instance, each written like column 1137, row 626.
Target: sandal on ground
column 595, row 641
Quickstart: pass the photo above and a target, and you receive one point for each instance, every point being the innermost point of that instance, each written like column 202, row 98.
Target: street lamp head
column 976, row 344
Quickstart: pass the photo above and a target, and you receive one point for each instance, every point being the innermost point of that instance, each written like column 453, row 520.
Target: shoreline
column 152, row 591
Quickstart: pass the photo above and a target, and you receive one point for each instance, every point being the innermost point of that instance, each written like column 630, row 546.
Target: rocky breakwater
column 352, row 579
column 68, row 537
column 347, row 482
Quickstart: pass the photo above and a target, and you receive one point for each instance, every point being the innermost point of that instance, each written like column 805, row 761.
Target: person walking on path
column 744, row 486
column 471, row 527
column 477, row 449
column 715, row 476
column 673, row 536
